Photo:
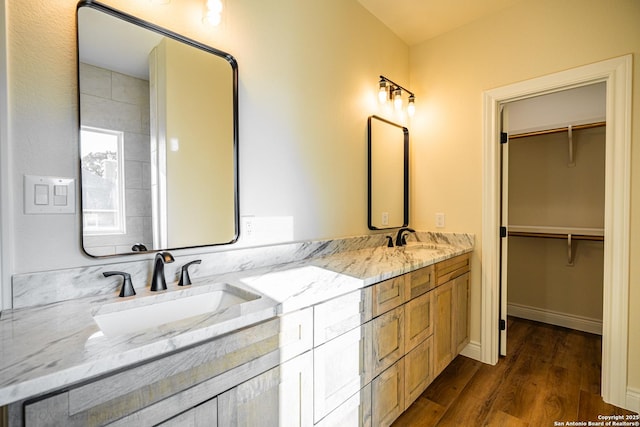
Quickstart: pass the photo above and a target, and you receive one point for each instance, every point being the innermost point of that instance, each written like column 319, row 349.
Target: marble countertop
column 48, row 347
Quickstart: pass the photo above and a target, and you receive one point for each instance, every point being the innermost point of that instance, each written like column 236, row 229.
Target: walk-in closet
column 555, row 197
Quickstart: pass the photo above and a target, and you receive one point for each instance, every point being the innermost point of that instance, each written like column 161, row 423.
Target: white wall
column 308, row 80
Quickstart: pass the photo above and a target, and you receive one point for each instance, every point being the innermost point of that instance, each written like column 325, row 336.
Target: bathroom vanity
column 349, row 338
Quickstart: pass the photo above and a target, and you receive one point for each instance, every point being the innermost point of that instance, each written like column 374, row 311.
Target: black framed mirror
column 388, row 178
column 158, row 116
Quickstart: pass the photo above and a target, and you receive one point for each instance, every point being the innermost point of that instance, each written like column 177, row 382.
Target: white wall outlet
column 439, row 220
column 385, row 218
column 247, row 226
column 49, row 195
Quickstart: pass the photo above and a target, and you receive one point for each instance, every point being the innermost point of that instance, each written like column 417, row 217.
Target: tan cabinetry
column 389, row 294
column 388, row 395
column 418, row 371
column 451, row 310
column 388, row 341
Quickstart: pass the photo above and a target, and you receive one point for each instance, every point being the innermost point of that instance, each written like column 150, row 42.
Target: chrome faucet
column 158, row 282
column 401, row 237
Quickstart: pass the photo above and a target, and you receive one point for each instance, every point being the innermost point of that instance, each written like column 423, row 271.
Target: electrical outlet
column 385, row 218
column 439, row 220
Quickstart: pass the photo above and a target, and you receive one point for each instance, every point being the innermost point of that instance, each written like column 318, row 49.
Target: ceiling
column 415, row 21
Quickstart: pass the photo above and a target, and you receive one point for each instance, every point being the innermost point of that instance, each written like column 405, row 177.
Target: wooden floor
column 550, row 374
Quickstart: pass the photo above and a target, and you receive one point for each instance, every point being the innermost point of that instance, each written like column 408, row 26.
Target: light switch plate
column 49, row 195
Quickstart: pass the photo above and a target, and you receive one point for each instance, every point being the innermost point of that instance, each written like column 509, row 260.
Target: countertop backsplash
column 46, row 287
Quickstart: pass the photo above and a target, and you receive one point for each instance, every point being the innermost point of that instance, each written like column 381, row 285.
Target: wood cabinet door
column 418, row 371
column 282, row 396
column 387, row 393
column 461, row 311
column 418, row 320
column 389, row 294
column 341, row 368
column 388, row 339
column 443, row 348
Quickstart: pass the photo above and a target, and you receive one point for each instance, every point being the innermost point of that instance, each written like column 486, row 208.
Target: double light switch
column 49, row 195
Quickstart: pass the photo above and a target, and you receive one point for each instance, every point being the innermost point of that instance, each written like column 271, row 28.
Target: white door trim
column 617, row 74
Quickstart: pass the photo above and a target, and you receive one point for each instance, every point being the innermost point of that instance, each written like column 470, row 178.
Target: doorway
column 616, row 74
column 553, row 196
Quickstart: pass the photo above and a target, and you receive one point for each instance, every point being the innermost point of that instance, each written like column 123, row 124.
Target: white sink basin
column 148, row 312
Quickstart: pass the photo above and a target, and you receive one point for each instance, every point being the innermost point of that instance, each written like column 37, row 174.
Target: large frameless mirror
column 388, row 174
column 158, row 137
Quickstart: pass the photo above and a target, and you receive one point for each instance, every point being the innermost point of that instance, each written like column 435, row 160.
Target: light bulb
column 382, row 93
column 411, row 106
column 397, row 99
column 213, row 15
column 214, row 5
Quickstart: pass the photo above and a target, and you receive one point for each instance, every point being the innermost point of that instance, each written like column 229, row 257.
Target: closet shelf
column 558, row 130
column 570, row 234
column 577, row 233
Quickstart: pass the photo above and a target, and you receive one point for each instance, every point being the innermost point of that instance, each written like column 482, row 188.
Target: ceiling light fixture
column 392, row 90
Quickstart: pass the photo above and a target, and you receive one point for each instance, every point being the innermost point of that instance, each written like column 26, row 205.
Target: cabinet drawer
column 388, row 342
column 418, row 320
column 452, row 268
column 355, row 412
column 335, row 317
column 342, row 366
column 418, row 370
column 387, row 393
column 389, row 294
column 141, row 393
column 420, row 281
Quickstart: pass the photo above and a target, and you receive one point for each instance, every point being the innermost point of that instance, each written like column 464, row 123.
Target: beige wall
column 308, row 75
column 450, row 73
column 200, row 190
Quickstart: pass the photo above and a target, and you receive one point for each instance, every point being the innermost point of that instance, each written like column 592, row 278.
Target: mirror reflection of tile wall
column 115, row 101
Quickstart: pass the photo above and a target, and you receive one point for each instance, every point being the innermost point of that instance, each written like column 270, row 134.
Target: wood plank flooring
column 551, row 374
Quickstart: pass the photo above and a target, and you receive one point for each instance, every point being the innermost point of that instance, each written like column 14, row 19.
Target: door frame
column 617, row 74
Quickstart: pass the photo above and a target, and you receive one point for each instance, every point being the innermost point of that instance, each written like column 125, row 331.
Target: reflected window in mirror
column 388, row 174
column 174, row 104
column 101, row 153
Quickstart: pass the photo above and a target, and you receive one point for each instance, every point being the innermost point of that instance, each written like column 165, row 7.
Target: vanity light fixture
column 213, row 13
column 391, row 90
column 159, row 1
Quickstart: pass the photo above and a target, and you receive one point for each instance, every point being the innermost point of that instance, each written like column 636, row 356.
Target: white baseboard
column 633, row 399
column 571, row 321
column 473, row 351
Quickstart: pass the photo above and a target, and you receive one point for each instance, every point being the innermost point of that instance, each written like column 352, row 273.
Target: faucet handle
column 127, row 289
column 185, row 280
column 389, row 241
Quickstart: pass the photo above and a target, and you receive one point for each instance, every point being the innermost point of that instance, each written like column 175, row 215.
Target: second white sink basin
column 148, row 312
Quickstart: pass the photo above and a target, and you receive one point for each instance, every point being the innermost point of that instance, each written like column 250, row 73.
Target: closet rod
column 555, row 236
column 558, row 130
